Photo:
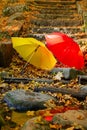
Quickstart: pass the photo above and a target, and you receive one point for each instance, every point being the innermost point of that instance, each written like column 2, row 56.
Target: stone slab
column 70, row 117
column 23, row 100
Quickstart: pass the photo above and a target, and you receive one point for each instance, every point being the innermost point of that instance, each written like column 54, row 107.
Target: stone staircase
column 55, row 15
column 35, row 18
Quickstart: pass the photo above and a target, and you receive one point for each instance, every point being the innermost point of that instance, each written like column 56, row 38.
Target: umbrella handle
column 22, row 71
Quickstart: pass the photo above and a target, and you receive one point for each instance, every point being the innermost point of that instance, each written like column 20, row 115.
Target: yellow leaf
column 19, row 117
column 47, row 113
column 55, row 126
column 38, row 119
column 71, row 128
column 30, row 113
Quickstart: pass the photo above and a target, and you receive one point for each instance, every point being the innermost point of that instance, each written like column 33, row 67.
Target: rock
column 4, row 74
column 12, row 28
column 84, row 88
column 80, row 94
column 34, row 124
column 70, row 117
column 82, row 79
column 6, row 52
column 22, row 100
column 58, row 119
column 10, row 10
column 16, row 16
column 68, row 73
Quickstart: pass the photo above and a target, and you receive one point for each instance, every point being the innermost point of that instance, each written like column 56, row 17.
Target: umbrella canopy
column 65, row 49
column 34, row 52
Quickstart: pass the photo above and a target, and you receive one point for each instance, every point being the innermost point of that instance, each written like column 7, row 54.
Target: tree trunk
column 6, row 52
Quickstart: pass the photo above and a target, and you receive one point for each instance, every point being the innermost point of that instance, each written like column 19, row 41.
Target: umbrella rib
column 22, row 71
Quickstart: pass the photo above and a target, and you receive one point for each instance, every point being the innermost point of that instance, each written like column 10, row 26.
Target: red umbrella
column 65, row 49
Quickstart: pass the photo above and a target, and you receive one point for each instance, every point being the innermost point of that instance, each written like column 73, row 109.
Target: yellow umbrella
column 34, row 52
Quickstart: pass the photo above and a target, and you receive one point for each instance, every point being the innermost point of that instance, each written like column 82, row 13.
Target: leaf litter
column 64, row 102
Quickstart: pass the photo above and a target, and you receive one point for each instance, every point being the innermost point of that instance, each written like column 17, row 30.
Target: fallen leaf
column 30, row 113
column 71, row 128
column 48, row 118
column 58, row 76
column 55, row 126
column 19, row 117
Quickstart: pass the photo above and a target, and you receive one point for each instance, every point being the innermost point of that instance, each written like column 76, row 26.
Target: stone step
column 57, row 22
column 51, row 11
column 41, row 36
column 61, row 3
column 49, row 0
column 56, row 16
column 70, row 30
column 79, row 35
column 60, row 6
column 45, row 3
column 28, row 100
